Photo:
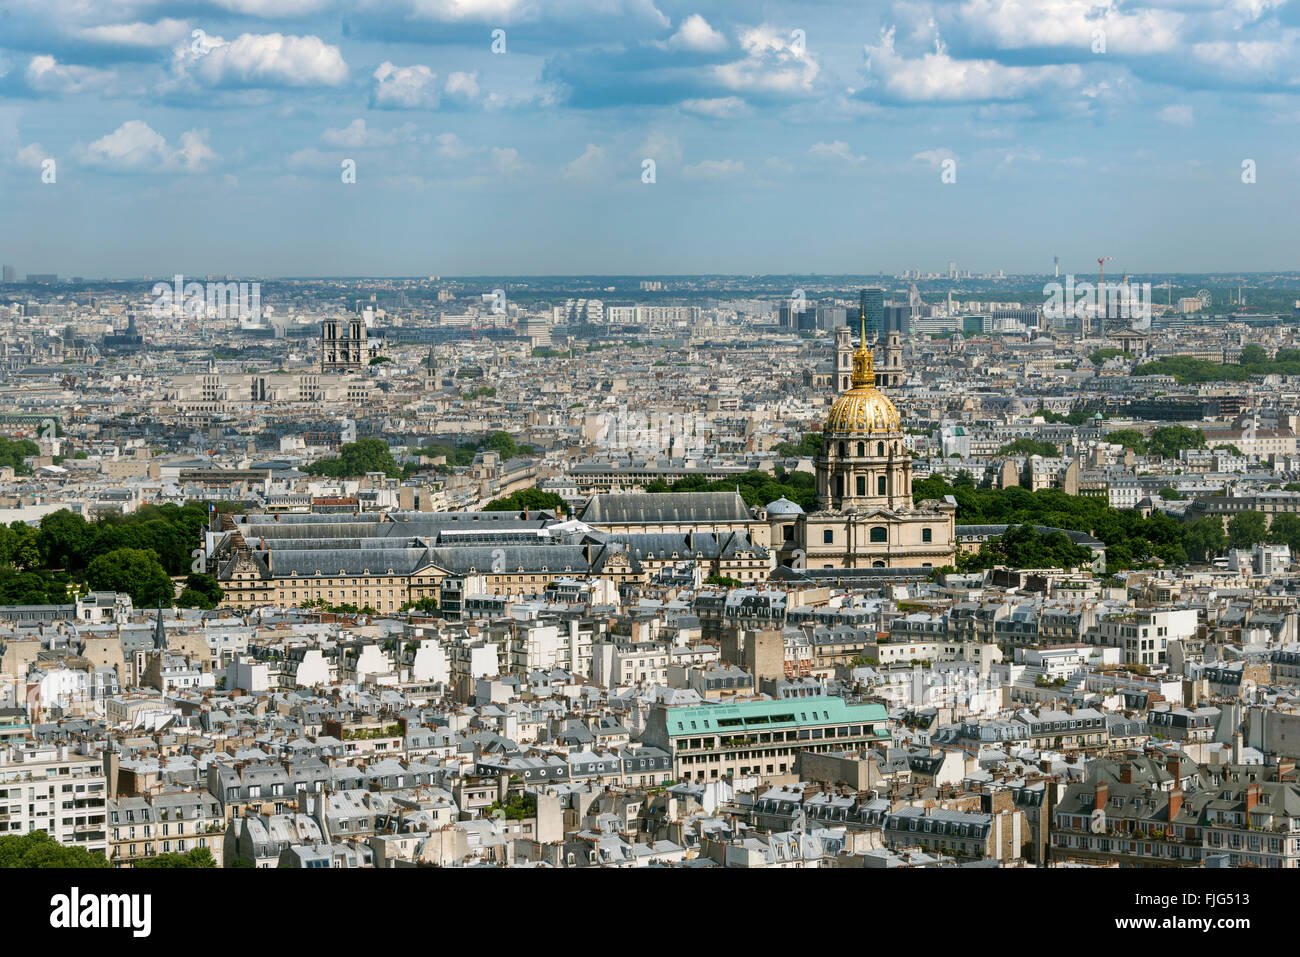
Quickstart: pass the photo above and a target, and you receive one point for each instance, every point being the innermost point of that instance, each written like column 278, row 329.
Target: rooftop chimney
column 1174, row 765
column 1252, row 797
column 1175, row 802
column 1102, row 795
column 1126, row 773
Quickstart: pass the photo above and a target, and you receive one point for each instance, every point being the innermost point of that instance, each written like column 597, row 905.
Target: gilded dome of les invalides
column 861, row 408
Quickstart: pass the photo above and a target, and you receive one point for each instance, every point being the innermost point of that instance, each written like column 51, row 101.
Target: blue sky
column 786, row 137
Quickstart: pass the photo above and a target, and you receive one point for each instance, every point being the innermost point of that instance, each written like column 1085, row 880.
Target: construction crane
column 1101, row 289
column 1101, row 269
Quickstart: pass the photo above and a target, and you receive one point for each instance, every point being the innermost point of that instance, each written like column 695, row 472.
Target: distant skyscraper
column 898, row 319
column 9, row 274
column 872, row 305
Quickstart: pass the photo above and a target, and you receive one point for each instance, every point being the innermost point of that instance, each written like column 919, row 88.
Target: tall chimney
column 1174, row 765
column 1175, row 802
column 1126, row 772
column 1102, row 796
column 1252, row 796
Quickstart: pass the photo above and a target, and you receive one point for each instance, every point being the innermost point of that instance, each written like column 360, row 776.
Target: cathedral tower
column 863, row 463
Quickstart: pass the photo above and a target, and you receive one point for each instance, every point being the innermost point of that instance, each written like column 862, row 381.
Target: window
column 880, row 449
column 828, row 536
column 880, row 485
column 862, row 449
column 879, row 534
column 927, row 535
column 862, row 485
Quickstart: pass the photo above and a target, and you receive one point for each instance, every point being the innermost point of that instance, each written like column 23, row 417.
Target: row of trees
column 1131, row 540
column 503, row 443
column 139, row 554
column 529, row 498
column 1166, row 441
column 1254, row 361
column 13, row 451
column 756, row 487
column 38, row 849
column 1023, row 546
column 1028, row 446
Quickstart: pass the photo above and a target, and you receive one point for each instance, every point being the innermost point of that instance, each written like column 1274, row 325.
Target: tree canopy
column 135, row 571
column 757, row 488
column 1028, row 446
column 1166, row 441
column 1023, row 546
column 356, row 459
column 199, row 857
column 38, row 849
column 200, row 591
column 807, row 447
column 13, row 451
column 1254, row 361
column 1131, row 540
column 530, row 498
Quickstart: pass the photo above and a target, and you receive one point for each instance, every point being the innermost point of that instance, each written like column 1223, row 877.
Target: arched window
column 880, row 449
column 862, row 485
column 862, row 449
column 880, row 485
column 877, row 564
column 841, row 449
column 880, row 534
column 839, row 485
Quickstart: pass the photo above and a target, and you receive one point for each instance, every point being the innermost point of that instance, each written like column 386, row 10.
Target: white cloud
column 503, row 13
column 47, row 75
column 136, row 147
column 937, row 77
column 1244, row 61
column 462, row 87
column 696, row 35
column 837, row 150
column 1070, row 24
column 593, row 164
column 264, row 60
column 771, row 65
column 404, row 87
column 163, row 33
column 934, row 158
column 507, row 161
column 452, row 147
column 313, row 159
column 31, row 156
column 662, row 148
column 273, row 8
column 719, row 108
column 714, row 169
column 356, row 135
column 416, row 88
column 1178, row 115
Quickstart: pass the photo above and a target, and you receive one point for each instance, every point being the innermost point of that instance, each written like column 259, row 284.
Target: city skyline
column 212, row 139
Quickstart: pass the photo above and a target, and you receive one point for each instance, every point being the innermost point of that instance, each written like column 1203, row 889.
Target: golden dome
column 862, row 408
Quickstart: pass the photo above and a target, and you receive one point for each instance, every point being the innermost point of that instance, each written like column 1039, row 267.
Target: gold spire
column 863, row 408
column 864, row 374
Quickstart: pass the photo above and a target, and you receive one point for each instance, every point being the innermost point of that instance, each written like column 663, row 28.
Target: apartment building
column 56, row 790
column 760, row 738
column 172, row 823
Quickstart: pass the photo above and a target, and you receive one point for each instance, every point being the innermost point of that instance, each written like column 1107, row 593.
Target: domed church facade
column 864, row 516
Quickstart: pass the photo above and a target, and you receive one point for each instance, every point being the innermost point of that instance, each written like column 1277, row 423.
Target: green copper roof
column 757, row 715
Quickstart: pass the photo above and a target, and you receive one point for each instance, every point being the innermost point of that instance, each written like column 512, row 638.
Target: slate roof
column 632, row 507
